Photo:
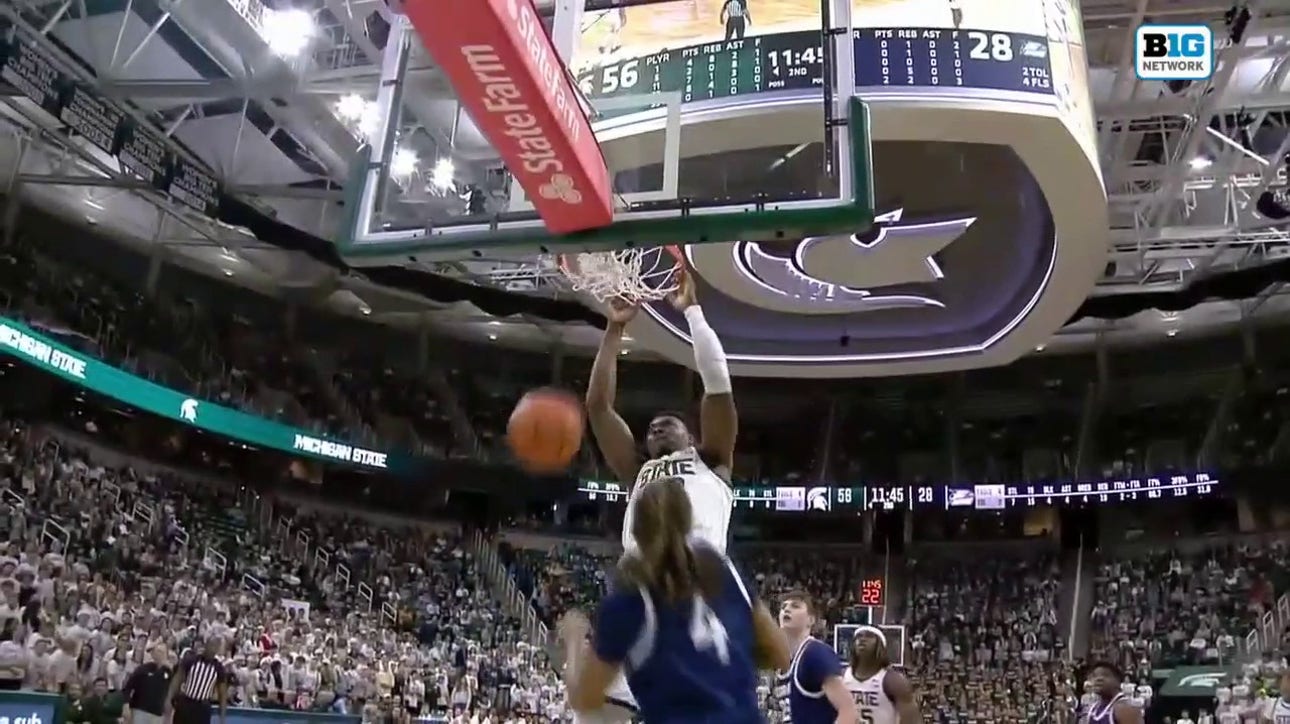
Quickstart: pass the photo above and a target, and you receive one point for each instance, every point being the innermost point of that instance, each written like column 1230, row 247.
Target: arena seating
column 983, row 641
column 69, row 520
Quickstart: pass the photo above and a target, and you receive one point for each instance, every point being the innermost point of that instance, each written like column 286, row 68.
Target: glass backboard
column 682, row 168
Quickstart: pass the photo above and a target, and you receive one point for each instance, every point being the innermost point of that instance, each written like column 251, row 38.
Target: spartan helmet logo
column 561, row 187
column 1208, row 680
column 817, row 499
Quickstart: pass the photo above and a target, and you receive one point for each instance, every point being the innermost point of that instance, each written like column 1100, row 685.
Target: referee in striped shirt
column 199, row 680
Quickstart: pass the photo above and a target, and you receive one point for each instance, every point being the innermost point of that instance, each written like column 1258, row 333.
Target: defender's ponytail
column 665, row 561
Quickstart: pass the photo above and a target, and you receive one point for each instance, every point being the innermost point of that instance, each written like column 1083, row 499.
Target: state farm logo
column 561, row 188
column 520, row 118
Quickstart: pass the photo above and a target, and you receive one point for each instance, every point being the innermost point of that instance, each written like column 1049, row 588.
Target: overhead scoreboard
column 884, row 58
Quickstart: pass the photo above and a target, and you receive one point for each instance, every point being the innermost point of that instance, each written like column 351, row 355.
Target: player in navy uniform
column 882, row 694
column 679, row 620
column 810, row 690
column 1111, row 706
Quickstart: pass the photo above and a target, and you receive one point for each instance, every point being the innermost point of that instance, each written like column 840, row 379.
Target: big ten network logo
column 1174, row 52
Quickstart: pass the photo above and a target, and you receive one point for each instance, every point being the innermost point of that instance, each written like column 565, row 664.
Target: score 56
column 612, row 78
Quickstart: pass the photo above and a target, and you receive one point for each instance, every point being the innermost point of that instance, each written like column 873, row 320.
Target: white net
column 634, row 275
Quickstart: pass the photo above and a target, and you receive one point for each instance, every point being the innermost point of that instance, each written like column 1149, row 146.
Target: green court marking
column 854, row 215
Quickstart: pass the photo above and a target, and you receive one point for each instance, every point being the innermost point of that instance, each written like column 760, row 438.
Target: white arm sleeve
column 709, row 357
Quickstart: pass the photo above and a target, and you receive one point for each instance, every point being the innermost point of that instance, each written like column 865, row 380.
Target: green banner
column 22, row 342
column 1196, row 680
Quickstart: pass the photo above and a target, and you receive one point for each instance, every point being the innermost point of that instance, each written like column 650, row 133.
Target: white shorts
column 619, row 708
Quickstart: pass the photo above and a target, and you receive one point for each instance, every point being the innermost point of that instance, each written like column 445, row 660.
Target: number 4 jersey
column 871, row 698
column 687, row 661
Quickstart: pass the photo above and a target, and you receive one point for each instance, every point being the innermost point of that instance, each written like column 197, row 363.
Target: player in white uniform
column 702, row 464
column 1278, row 711
column 882, row 694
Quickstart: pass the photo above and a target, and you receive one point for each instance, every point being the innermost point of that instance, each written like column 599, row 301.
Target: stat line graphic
column 609, row 36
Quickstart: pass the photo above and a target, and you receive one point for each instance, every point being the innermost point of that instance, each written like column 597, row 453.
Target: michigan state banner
column 1196, row 680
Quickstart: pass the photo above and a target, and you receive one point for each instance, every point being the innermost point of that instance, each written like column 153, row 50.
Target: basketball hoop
column 634, row 275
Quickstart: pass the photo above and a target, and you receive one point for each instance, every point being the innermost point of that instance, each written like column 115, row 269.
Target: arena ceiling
column 280, row 126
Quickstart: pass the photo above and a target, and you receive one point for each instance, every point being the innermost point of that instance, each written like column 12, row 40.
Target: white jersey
column 1279, row 712
column 710, row 496
column 871, row 698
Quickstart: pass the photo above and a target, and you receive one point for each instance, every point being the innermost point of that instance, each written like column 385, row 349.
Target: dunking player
column 702, row 465
column 1111, row 707
column 810, row 691
column 882, row 694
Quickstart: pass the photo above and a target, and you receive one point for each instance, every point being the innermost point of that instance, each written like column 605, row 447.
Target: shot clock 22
column 873, row 592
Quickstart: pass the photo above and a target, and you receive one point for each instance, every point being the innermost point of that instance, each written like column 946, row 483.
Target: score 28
column 990, row 46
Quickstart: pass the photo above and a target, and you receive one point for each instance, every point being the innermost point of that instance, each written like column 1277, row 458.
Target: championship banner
column 507, row 74
column 139, row 149
column 1192, row 681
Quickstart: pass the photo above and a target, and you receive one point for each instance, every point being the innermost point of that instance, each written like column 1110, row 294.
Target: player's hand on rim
column 620, row 311
column 683, row 298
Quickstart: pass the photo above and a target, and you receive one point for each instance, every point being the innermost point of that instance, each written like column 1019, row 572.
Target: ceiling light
column 1040, row 347
column 492, row 337
column 287, row 32
column 93, row 204
column 494, row 323
column 442, row 177
column 351, row 107
column 403, row 163
column 1200, row 163
column 369, row 121
column 227, row 272
column 1171, row 333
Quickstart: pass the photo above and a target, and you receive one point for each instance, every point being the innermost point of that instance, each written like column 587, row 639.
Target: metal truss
column 1174, row 219
column 1181, row 171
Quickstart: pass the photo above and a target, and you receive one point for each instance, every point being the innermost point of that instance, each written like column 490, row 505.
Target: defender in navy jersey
column 1111, row 706
column 882, row 694
column 682, row 624
column 810, row 689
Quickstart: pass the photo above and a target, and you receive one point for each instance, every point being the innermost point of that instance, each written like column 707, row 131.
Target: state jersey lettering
column 800, row 690
column 870, row 695
column 685, row 662
column 710, row 496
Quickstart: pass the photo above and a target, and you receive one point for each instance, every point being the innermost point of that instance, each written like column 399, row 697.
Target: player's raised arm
column 901, row 693
column 612, row 434
column 718, row 420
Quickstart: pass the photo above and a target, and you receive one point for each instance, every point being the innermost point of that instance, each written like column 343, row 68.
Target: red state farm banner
column 508, row 76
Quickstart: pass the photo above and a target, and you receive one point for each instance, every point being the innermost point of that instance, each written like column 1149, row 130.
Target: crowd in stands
column 104, row 568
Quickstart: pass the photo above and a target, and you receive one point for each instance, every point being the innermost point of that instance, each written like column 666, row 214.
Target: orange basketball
column 545, row 430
